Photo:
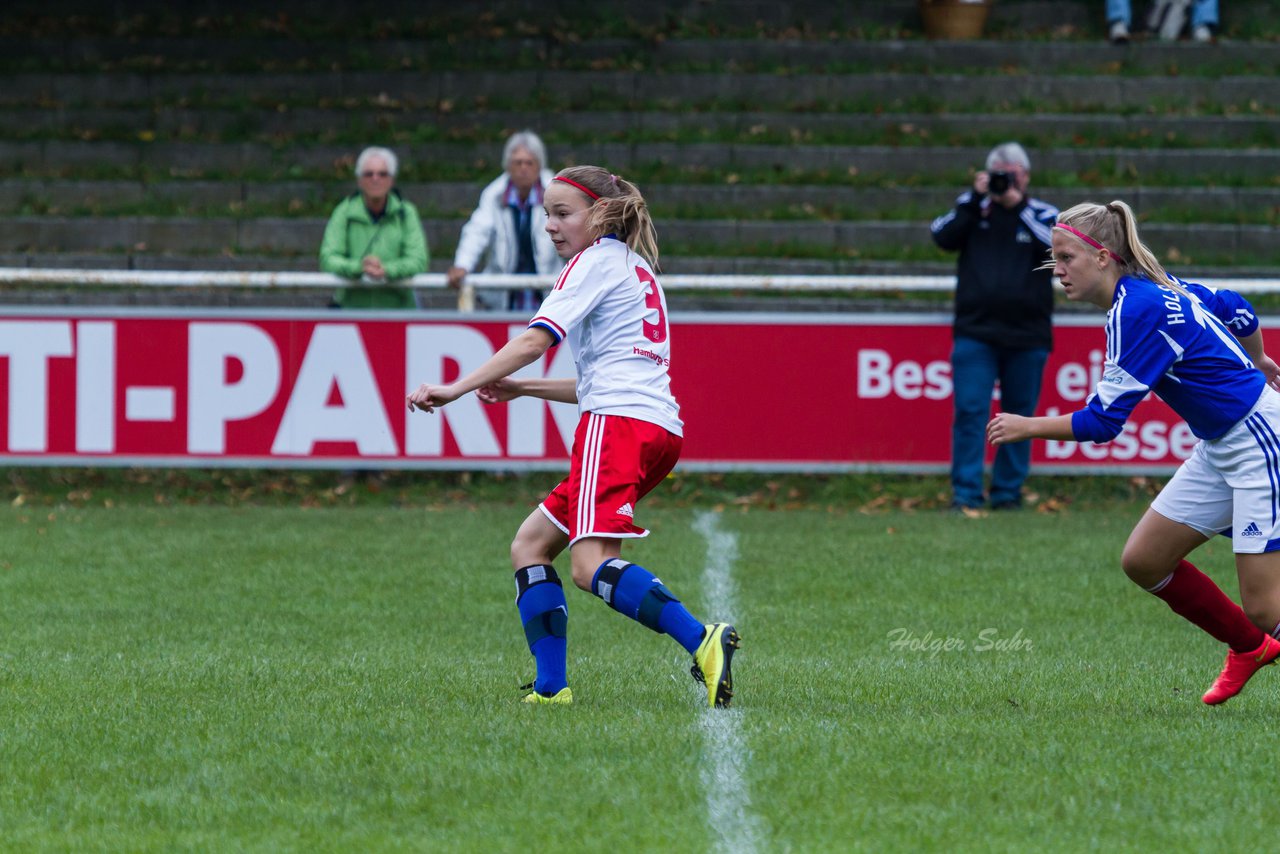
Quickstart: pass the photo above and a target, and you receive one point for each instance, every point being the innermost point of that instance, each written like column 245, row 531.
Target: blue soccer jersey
column 1184, row 348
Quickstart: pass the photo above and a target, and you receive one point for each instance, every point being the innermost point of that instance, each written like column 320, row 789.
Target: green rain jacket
column 396, row 238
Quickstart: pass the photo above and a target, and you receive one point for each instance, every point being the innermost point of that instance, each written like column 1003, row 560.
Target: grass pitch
column 279, row 678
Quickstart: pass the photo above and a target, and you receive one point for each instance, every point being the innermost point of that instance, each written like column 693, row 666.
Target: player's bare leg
column 588, row 553
column 537, row 541
column 1155, row 558
column 1259, row 576
column 1155, row 547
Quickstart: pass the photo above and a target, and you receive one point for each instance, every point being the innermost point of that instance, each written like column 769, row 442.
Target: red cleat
column 1239, row 669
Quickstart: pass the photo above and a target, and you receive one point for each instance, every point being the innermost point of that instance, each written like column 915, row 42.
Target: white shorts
column 1231, row 485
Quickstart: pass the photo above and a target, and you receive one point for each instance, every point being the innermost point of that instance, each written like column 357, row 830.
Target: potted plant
column 954, row 19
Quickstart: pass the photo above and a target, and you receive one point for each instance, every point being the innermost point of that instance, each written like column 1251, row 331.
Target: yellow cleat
column 563, row 697
column 711, row 663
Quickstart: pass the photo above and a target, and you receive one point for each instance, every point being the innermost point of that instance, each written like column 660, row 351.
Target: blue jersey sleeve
column 1137, row 355
column 1231, row 308
column 1183, row 344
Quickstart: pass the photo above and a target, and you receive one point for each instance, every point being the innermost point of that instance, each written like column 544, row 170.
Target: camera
column 999, row 182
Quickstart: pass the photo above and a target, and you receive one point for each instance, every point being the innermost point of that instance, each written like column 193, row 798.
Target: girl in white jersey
column 1201, row 351
column 609, row 305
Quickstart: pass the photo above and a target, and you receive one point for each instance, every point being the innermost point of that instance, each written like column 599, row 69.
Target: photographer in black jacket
column 1003, row 319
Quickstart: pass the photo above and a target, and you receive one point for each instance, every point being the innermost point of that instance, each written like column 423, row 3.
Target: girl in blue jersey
column 1201, row 351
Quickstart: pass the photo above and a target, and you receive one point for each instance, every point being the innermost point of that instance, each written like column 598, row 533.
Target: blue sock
column 545, row 614
column 632, row 590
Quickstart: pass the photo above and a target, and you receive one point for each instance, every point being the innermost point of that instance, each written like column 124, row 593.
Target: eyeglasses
column 383, row 174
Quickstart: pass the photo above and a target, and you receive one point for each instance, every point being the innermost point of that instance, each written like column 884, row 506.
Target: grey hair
column 525, row 139
column 1009, row 152
column 377, row 151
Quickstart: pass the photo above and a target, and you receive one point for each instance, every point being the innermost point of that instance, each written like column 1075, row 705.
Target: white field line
column 725, row 772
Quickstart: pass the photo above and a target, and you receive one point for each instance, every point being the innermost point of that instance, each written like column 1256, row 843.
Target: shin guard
column 545, row 614
column 633, row 591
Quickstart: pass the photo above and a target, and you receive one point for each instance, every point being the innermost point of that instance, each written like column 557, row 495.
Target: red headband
column 1087, row 239
column 1080, row 234
column 571, row 183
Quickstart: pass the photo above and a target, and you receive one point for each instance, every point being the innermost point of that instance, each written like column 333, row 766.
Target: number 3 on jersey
column 655, row 332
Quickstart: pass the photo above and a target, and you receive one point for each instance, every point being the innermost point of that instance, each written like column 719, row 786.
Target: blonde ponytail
column 1115, row 226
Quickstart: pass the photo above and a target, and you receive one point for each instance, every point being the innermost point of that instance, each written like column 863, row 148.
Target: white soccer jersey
column 608, row 303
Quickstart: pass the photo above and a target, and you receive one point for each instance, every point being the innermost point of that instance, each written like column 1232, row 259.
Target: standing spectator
column 506, row 231
column 1003, row 327
column 374, row 235
column 1167, row 18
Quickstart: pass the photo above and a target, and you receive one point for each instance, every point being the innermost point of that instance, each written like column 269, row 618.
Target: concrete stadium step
column 305, row 125
column 136, row 259
column 994, row 58
column 928, row 163
column 762, row 201
column 574, row 89
column 301, row 237
column 1027, row 17
column 659, row 15
column 169, row 54
column 671, row 265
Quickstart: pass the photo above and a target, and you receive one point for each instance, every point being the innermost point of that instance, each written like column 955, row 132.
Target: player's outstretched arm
column 509, row 388
column 1007, row 427
column 524, row 349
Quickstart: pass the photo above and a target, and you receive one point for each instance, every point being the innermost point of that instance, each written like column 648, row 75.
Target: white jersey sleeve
column 609, row 305
column 578, row 290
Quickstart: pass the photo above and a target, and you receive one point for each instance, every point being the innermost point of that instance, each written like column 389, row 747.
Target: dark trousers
column 975, row 368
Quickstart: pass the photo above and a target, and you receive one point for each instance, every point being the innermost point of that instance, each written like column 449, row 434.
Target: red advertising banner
column 327, row 389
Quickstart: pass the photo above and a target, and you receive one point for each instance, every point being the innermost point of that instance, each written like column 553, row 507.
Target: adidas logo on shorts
column 1251, row 530
column 626, row 510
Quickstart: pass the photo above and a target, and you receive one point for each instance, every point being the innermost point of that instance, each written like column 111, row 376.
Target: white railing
column 231, row 279
column 283, row 280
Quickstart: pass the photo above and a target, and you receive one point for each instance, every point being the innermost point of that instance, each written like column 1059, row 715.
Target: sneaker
column 563, row 697
column 1202, row 34
column 711, row 663
column 1240, row 666
column 1119, row 33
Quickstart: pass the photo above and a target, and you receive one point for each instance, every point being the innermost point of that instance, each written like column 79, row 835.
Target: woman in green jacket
column 375, row 236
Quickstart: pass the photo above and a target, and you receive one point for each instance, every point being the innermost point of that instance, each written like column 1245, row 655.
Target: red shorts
column 616, row 462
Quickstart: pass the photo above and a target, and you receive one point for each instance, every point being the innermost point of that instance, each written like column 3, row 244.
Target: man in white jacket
column 506, row 232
